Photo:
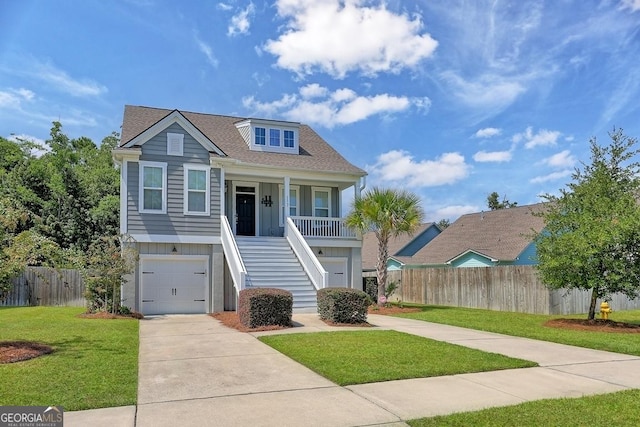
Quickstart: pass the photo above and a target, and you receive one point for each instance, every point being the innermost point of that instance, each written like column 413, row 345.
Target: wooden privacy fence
column 46, row 286
column 504, row 288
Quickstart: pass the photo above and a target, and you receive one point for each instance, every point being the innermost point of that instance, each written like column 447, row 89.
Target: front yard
column 94, row 363
column 533, row 326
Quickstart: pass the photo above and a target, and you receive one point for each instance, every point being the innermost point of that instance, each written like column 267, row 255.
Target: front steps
column 271, row 263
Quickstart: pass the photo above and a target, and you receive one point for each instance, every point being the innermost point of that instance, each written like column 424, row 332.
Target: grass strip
column 358, row 357
column 614, row 409
column 532, row 326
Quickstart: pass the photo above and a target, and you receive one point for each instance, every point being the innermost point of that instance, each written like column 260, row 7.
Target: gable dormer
column 270, row 135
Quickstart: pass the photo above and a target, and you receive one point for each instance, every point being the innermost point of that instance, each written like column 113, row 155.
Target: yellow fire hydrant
column 605, row 310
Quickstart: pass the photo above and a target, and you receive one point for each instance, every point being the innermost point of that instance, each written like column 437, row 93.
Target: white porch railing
column 232, row 254
column 315, row 226
column 318, row 275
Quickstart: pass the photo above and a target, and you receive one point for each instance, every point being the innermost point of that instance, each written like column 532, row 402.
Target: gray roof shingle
column 370, row 245
column 315, row 153
column 501, row 234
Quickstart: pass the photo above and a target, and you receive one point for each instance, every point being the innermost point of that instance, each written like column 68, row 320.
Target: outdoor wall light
column 266, row 200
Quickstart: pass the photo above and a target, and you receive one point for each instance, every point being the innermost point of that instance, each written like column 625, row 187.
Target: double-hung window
column 321, row 202
column 294, row 202
column 153, row 187
column 261, row 136
column 289, row 139
column 274, row 137
column 196, row 190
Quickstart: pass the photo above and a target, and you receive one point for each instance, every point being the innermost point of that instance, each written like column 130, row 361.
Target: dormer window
column 261, row 136
column 270, row 136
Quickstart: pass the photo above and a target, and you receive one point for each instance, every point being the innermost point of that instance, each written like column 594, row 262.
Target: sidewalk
column 194, row 371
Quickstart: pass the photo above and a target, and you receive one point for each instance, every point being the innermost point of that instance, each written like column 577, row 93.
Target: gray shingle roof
column 370, row 245
column 315, row 153
column 501, row 234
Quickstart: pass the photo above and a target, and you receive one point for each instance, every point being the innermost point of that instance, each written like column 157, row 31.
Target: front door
column 246, row 214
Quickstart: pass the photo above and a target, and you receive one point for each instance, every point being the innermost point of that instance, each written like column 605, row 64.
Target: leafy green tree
column 591, row 239
column 386, row 212
column 494, row 203
column 443, row 223
column 105, row 269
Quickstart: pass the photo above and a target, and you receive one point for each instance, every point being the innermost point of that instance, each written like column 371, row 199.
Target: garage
column 337, row 269
column 174, row 284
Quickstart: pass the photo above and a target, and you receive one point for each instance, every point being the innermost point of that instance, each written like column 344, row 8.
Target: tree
column 387, row 213
column 591, row 239
column 443, row 223
column 494, row 203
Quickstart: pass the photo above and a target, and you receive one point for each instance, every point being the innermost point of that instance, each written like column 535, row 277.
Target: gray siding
column 174, row 222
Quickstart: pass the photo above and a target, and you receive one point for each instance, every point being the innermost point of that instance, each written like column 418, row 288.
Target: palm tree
column 386, row 212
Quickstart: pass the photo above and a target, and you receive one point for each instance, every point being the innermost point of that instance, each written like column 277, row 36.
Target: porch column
column 287, row 202
column 223, row 196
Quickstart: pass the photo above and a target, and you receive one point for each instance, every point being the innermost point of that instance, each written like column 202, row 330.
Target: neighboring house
column 400, row 247
column 485, row 239
column 215, row 204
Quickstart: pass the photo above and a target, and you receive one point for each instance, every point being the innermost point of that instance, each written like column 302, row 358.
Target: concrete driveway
column 195, row 372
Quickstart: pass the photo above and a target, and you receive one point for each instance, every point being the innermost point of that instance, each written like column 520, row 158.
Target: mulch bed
column 596, row 325
column 17, row 351
column 106, row 315
column 232, row 320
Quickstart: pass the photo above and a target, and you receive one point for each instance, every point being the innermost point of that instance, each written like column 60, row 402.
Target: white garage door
column 174, row 284
column 337, row 269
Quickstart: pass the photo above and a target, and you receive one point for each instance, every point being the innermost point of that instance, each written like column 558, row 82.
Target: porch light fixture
column 174, row 250
column 320, row 252
column 266, row 200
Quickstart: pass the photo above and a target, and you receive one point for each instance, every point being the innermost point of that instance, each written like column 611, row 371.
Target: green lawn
column 531, row 326
column 614, row 409
column 94, row 363
column 357, row 357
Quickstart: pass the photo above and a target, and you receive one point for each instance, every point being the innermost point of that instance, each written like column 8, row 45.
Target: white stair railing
column 316, row 226
column 318, row 275
column 232, row 254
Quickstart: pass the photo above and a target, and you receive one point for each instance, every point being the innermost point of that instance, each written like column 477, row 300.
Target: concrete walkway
column 195, row 372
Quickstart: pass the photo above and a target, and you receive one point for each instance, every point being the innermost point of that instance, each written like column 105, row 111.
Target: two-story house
column 215, row 204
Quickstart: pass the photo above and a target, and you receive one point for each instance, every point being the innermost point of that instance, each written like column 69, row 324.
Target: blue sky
column 449, row 99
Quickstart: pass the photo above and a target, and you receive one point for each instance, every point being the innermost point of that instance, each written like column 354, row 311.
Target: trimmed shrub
column 265, row 307
column 343, row 305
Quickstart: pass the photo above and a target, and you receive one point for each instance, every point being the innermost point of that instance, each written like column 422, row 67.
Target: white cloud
column 342, row 36
column 313, row 90
column 634, row 5
column 399, row 166
column 43, row 147
column 553, row 176
column 13, row 98
column 487, row 132
column 492, row 156
column 241, row 22
column 487, row 91
column 207, row 51
column 316, row 105
column 561, row 160
column 224, row 6
column 60, row 80
column 543, row 137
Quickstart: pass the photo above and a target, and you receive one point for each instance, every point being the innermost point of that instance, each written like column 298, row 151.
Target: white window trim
column 295, row 188
column 207, row 193
column 173, row 138
column 141, row 166
column 313, row 199
column 274, row 148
